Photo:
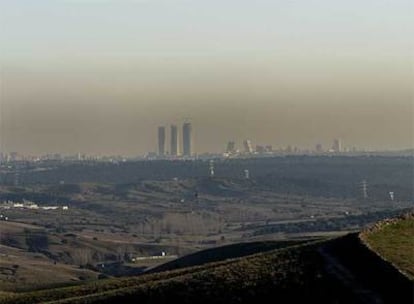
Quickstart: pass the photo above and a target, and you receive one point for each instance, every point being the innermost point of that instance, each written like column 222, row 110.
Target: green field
column 394, row 241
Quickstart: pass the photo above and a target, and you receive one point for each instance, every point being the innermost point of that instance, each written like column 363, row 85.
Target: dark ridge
column 222, row 253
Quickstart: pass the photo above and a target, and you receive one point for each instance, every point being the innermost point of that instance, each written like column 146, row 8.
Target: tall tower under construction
column 187, row 139
column 174, row 149
column 161, row 141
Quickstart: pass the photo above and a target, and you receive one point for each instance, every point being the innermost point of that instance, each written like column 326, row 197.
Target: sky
column 99, row 76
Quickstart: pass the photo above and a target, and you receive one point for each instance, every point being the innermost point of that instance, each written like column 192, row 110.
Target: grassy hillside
column 321, row 271
column 33, row 257
column 220, row 253
column 25, row 260
column 394, row 241
column 291, row 273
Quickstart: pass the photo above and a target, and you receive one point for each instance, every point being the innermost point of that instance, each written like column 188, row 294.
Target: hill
column 393, row 240
column 222, row 253
column 322, row 176
column 342, row 269
column 295, row 272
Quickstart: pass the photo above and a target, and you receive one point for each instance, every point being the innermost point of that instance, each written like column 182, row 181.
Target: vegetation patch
column 393, row 239
column 293, row 271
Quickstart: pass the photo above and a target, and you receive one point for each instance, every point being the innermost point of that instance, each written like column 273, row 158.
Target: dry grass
column 394, row 241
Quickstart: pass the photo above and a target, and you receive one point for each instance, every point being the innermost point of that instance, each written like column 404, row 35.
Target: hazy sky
column 99, row 76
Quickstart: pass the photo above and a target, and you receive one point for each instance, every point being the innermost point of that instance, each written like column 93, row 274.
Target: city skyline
column 95, row 76
column 244, row 149
column 174, row 144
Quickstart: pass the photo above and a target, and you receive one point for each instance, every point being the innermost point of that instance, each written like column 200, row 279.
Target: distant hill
column 323, row 176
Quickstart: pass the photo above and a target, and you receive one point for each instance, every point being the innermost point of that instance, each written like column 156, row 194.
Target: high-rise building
column 319, row 148
column 247, row 146
column 260, row 149
column 174, row 141
column 187, row 139
column 231, row 147
column 161, row 141
column 337, row 145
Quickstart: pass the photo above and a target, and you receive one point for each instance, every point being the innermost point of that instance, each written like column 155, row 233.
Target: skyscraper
column 231, row 147
column 319, row 148
column 161, row 141
column 337, row 145
column 187, row 139
column 247, row 146
column 174, row 141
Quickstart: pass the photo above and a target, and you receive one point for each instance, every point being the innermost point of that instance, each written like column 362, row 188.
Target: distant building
column 268, row 148
column 161, row 141
column 231, row 147
column 187, row 139
column 337, row 145
column 13, row 156
column 247, row 144
column 318, row 148
column 174, row 149
column 260, row 149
